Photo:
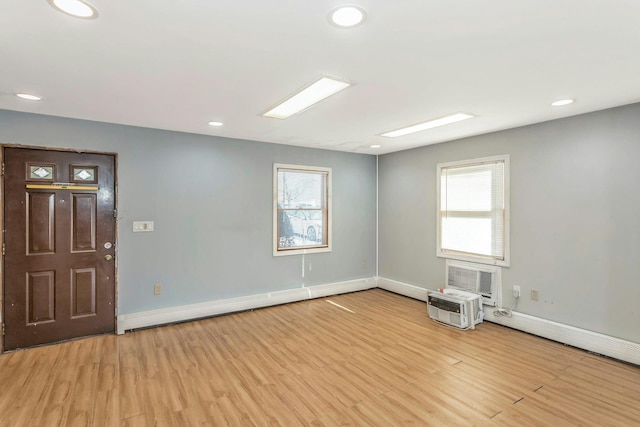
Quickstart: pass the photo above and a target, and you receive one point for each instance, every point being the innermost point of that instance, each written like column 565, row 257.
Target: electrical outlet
column 516, row 291
column 535, row 294
column 157, row 289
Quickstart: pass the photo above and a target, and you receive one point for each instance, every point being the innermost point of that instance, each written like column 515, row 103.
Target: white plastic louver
column 485, row 280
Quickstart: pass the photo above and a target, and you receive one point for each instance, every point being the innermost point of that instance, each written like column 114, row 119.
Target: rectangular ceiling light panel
column 312, row 94
column 428, row 125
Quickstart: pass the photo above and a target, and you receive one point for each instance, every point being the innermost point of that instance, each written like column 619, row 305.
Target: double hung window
column 302, row 209
column 473, row 210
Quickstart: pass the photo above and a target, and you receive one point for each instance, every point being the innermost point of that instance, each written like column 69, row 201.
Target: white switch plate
column 142, row 226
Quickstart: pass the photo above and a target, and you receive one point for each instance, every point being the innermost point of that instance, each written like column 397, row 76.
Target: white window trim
column 301, row 251
column 507, row 209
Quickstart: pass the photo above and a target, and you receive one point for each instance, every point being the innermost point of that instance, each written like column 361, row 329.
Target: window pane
column 301, row 190
column 84, row 173
column 302, row 209
column 467, row 191
column 471, row 235
column 472, row 209
column 38, row 172
column 300, row 228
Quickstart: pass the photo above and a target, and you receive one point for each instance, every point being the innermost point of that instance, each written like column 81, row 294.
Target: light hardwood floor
column 382, row 363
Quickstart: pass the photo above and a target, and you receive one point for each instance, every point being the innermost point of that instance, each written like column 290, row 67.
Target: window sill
column 475, row 259
column 301, row 251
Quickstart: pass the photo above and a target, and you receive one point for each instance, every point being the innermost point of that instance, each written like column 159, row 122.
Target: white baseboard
column 213, row 308
column 405, row 289
column 591, row 341
column 581, row 338
column 587, row 340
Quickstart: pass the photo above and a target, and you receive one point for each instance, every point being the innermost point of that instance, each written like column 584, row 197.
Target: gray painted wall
column 575, row 217
column 211, row 200
column 575, row 234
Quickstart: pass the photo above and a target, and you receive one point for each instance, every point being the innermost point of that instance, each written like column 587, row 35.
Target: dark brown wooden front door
column 59, row 232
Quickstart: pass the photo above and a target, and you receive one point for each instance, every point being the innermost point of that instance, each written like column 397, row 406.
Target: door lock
column 108, row 257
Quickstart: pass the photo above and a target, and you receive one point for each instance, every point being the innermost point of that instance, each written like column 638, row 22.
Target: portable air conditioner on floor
column 461, row 309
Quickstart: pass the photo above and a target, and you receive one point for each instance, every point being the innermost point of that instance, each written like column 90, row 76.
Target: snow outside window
column 302, row 215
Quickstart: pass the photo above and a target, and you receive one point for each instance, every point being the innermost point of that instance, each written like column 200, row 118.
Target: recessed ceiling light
column 347, row 16
column 77, row 8
column 28, row 97
column 428, row 125
column 376, row 146
column 216, row 124
column 307, row 97
column 562, row 102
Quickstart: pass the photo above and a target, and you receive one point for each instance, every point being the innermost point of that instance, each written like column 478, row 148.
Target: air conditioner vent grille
column 485, row 280
column 484, row 284
column 455, row 319
column 462, row 278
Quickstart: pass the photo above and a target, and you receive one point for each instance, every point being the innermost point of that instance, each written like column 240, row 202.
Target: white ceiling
column 178, row 64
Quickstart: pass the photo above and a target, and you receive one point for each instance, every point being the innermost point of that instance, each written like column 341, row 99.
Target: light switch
column 142, row 226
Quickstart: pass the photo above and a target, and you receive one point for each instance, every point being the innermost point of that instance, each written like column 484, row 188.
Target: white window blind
column 472, row 209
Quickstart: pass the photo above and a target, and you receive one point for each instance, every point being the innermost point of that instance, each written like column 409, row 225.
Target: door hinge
column 115, row 213
column 3, row 169
column 2, row 328
column 4, row 250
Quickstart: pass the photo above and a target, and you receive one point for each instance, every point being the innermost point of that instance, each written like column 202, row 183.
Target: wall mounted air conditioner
column 456, row 308
column 485, row 280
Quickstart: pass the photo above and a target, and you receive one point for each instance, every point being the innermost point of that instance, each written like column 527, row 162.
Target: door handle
column 108, row 257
